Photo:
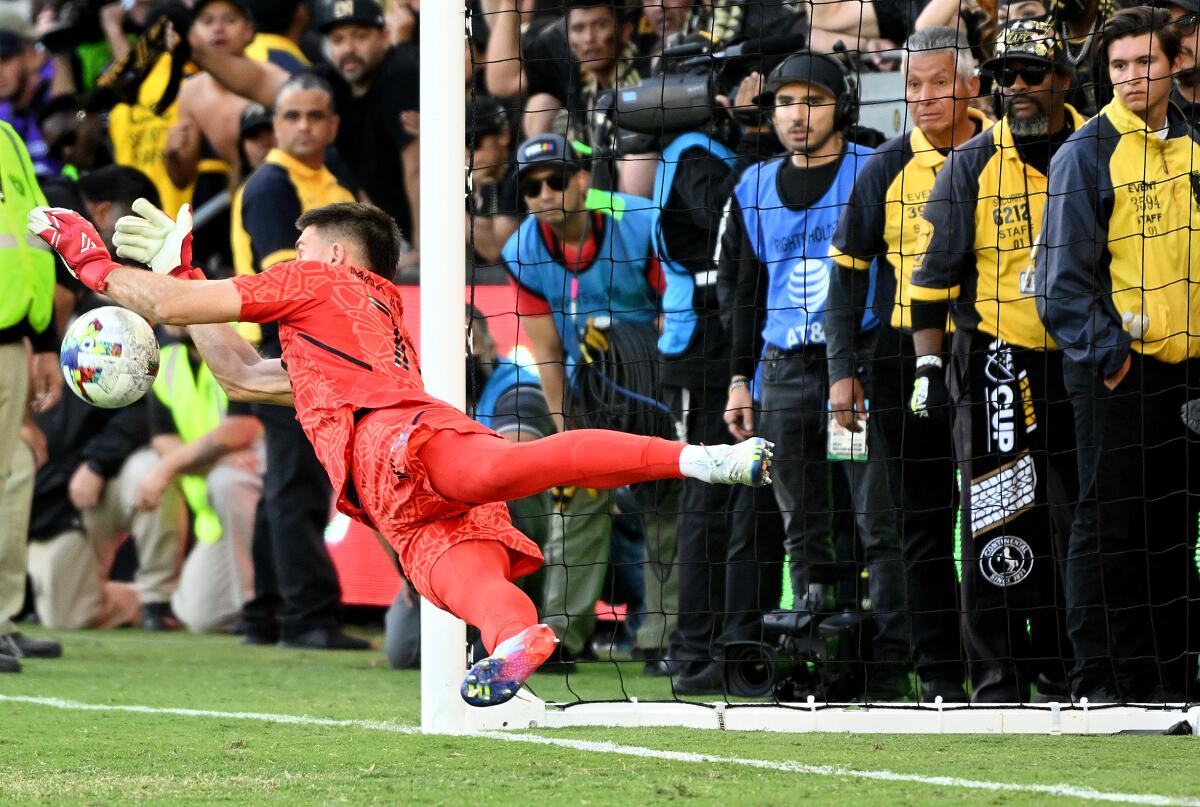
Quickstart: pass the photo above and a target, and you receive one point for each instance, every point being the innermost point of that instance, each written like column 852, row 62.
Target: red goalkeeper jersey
column 344, row 347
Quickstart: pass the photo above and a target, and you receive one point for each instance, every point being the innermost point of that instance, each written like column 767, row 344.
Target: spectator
column 74, row 138
column 1186, row 16
column 278, row 27
column 571, row 64
column 495, row 206
column 662, row 24
column 782, row 217
column 211, row 454
column 27, row 303
column 1013, row 434
column 24, row 89
column 1116, row 282
column 297, row 595
column 208, row 113
column 1019, row 10
column 85, row 497
column 256, row 137
column 373, row 84
column 569, row 263
column 881, row 224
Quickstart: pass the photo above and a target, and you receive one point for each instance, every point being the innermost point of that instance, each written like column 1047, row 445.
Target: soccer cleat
column 746, row 463
column 497, row 678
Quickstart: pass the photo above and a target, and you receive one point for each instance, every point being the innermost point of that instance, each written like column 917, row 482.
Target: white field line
column 1065, row 791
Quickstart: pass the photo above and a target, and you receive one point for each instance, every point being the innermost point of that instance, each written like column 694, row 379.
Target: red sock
column 471, row 580
column 478, row 468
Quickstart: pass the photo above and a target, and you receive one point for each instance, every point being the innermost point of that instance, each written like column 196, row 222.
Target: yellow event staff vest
column 26, row 267
column 197, row 404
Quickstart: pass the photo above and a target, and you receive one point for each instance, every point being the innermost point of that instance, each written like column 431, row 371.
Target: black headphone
column 820, row 66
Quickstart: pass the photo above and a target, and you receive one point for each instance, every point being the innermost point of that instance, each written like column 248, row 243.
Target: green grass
column 50, row 755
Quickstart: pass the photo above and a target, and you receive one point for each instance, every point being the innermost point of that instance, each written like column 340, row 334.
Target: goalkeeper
column 432, row 480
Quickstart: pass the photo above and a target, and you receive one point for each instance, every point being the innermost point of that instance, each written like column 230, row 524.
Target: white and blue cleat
column 497, row 678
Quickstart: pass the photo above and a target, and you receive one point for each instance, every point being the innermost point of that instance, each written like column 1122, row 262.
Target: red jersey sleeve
column 285, row 291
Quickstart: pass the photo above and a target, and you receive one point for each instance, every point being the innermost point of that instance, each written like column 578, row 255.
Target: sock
column 695, row 462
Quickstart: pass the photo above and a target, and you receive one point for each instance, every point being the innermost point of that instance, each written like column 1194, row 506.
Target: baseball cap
column 1190, row 6
column 11, row 44
column 254, row 117
column 240, row 5
column 1032, row 40
column 485, row 115
column 359, row 12
column 809, row 68
column 543, row 150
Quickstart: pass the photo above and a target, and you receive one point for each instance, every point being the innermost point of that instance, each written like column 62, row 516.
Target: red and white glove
column 153, row 238
column 75, row 239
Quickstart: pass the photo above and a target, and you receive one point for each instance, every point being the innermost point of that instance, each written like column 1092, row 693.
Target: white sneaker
column 746, row 463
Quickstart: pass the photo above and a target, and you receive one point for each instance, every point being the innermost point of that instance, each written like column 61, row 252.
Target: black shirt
column 370, row 135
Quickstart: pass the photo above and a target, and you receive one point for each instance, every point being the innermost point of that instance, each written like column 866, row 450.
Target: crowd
column 971, row 344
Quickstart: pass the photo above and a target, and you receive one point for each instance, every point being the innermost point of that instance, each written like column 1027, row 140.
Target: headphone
column 822, row 66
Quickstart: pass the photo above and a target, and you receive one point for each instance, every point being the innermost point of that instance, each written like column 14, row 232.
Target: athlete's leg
column 479, row 468
column 471, row 580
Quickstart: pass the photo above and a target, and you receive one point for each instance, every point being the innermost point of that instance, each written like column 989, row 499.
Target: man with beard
column 1186, row 16
column 784, row 213
column 1117, row 286
column 1013, row 433
column 883, row 223
column 373, row 83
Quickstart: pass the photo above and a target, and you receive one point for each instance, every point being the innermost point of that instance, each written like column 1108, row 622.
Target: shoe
column 497, row 678
column 707, row 680
column 948, row 691
column 323, row 639
column 9, row 664
column 252, row 638
column 746, row 463
column 18, row 645
column 888, row 682
column 1102, row 696
column 158, row 616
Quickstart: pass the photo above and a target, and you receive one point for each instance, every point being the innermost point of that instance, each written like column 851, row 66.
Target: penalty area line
column 596, row 747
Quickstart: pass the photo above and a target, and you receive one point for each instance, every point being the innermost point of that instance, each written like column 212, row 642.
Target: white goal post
column 443, row 637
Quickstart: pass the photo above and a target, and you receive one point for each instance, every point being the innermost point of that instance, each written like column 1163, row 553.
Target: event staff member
column 1119, row 288
column 882, row 223
column 1012, row 430
column 293, row 572
column 784, row 213
column 27, row 289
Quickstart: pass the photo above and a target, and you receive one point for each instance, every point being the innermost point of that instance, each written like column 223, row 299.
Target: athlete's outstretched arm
column 241, row 372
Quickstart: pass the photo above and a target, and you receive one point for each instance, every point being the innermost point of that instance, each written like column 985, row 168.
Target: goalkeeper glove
column 152, row 238
column 929, row 395
column 76, row 241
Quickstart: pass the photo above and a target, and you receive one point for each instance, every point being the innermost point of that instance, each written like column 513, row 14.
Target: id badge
column 844, row 444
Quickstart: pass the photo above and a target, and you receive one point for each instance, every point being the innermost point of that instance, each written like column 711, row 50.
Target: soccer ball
column 109, row 357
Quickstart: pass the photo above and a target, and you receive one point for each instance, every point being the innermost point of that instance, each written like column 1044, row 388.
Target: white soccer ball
column 109, row 357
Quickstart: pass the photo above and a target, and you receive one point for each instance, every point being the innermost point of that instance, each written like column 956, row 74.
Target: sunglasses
column 531, row 187
column 1032, row 76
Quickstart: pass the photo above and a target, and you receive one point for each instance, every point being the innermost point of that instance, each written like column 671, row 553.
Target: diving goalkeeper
column 421, row 472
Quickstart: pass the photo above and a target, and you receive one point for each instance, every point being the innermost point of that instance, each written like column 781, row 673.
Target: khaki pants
column 218, row 578
column 17, row 494
column 70, row 571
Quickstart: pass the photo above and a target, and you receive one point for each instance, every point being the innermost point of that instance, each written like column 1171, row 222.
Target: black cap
column 808, row 68
column 1032, row 40
column 1190, row 6
column 485, row 115
column 330, row 13
column 11, row 44
column 254, row 117
column 240, row 5
column 544, row 150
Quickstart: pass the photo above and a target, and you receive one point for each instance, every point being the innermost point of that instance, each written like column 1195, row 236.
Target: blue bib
column 613, row 286
column 794, row 246
column 679, row 301
column 505, row 375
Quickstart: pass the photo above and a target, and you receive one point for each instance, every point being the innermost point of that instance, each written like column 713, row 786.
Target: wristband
column 739, row 382
column 932, row 360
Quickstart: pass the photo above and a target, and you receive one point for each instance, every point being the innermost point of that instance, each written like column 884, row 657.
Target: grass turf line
column 52, row 755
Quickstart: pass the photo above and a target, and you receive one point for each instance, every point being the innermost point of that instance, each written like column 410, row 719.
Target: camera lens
column 750, row 669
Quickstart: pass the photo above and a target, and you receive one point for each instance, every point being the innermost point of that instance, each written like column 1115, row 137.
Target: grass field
column 62, row 741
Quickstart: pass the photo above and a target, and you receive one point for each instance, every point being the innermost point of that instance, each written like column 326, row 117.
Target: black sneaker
column 158, row 616
column 18, row 645
column 948, row 691
column 325, row 639
column 8, row 664
column 707, row 680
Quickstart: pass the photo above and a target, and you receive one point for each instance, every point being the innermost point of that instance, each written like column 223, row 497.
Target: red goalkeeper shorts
column 393, row 487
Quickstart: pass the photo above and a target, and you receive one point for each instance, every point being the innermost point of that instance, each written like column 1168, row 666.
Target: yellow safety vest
column 26, row 266
column 197, row 405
